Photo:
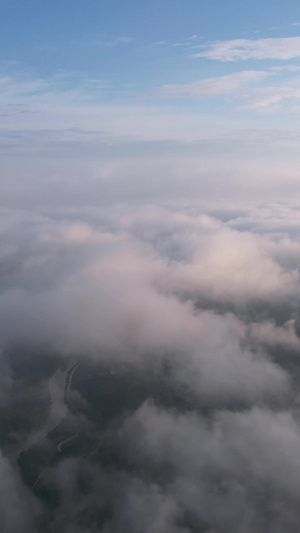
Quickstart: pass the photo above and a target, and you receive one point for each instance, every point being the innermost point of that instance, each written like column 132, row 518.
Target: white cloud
column 241, row 49
column 217, row 86
column 131, row 292
column 244, row 85
column 289, row 68
column 228, row 265
column 267, row 97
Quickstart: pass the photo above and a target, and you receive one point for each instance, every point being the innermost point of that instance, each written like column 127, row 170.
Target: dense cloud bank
column 204, row 300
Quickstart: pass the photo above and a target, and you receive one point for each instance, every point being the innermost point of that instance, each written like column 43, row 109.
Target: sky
column 103, row 90
column 150, row 219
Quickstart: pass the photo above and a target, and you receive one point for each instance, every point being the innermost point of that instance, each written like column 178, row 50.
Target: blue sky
column 117, row 81
column 119, row 40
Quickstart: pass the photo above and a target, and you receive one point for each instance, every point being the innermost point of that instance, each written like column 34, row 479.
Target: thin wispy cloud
column 216, row 86
column 249, row 86
column 243, row 49
column 112, row 42
column 289, row 68
column 188, row 42
column 104, row 41
column 267, row 97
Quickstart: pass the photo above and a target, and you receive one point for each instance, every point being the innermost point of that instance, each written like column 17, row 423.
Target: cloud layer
column 208, row 293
